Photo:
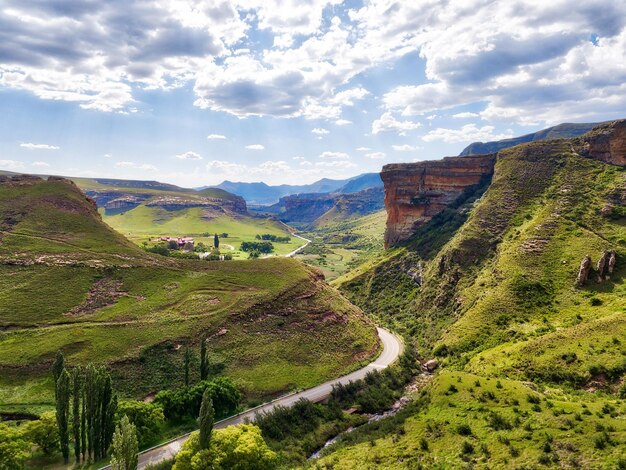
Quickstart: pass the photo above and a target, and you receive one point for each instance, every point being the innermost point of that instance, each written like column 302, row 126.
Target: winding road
column 297, row 250
column 392, row 348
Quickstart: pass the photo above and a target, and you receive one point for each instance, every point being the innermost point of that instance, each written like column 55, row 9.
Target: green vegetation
column 341, row 247
column 234, row 448
column 72, row 289
column 148, row 222
column 532, row 364
column 125, row 449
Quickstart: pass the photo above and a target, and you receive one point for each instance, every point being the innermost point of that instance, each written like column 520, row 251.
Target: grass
column 144, row 223
column 272, row 324
column 533, row 365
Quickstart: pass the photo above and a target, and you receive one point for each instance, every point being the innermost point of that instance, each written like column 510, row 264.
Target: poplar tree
column 125, row 448
column 204, row 361
column 187, row 364
column 63, row 393
column 216, row 241
column 90, row 411
column 57, row 369
column 77, row 392
column 83, row 423
column 206, row 418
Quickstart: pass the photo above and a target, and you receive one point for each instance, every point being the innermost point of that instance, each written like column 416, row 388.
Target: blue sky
column 195, row 92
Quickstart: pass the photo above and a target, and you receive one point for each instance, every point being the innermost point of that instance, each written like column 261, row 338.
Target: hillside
column 561, row 131
column 145, row 210
column 531, row 356
column 70, row 282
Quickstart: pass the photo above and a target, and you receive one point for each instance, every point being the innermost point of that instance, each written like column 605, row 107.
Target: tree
column 216, row 241
column 63, row 393
column 206, row 418
column 14, row 448
column 125, row 449
column 83, row 423
column 204, row 361
column 146, row 417
column 77, row 392
column 44, row 432
column 239, row 447
column 187, row 359
column 57, row 368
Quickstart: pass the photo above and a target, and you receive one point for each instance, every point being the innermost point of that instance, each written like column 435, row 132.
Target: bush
column 261, row 247
column 148, row 418
column 498, row 423
column 185, row 402
column 467, row 448
column 44, row 432
column 464, row 429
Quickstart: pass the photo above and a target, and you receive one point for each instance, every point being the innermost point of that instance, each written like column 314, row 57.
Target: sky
column 285, row 91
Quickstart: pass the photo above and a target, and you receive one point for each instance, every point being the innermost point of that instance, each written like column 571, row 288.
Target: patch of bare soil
column 103, row 292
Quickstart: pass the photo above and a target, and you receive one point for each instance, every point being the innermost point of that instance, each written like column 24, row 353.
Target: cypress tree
column 187, row 364
column 57, row 369
column 206, row 418
column 216, row 241
column 204, row 361
column 63, row 393
column 77, row 392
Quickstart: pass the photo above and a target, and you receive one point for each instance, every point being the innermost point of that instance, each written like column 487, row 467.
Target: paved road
column 392, row 348
column 297, row 250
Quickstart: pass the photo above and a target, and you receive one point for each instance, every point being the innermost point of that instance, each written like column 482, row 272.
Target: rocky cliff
column 415, row 192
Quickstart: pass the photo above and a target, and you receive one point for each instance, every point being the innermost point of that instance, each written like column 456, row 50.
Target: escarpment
column 416, row 192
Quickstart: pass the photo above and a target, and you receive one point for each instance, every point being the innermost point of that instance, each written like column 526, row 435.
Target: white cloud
column 40, row 164
column 405, row 148
column 376, row 155
column 363, row 149
column 320, row 131
column 11, row 164
column 388, row 123
column 135, row 166
column 342, row 122
column 189, row 156
column 216, row 137
column 468, row 133
column 336, row 164
column 31, row 146
column 255, row 147
column 107, row 155
column 335, row 155
column 465, row 115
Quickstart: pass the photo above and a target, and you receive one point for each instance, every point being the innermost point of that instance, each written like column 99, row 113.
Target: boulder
column 431, row 365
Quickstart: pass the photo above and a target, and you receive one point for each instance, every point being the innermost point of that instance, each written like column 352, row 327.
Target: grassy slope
column 143, row 223
column 499, row 300
column 274, row 326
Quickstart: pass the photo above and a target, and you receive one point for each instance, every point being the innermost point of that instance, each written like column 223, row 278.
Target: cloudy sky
column 286, row 91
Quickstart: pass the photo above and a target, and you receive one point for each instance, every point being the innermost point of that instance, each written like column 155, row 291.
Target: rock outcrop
column 583, row 270
column 606, row 265
column 606, row 143
column 415, row 192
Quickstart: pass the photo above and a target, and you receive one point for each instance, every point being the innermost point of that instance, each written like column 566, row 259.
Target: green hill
column 532, row 364
column 69, row 282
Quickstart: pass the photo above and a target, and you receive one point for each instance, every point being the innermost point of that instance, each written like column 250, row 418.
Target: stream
column 397, row 406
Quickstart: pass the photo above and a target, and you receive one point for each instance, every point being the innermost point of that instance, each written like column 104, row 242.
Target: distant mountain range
column 264, row 194
column 561, row 131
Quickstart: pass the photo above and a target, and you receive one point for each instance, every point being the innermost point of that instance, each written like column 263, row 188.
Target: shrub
column 146, row 417
column 464, row 429
column 467, row 448
column 498, row 423
column 185, row 402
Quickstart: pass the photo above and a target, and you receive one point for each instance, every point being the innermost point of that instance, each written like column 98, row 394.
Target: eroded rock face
column 583, row 270
column 606, row 143
column 415, row 192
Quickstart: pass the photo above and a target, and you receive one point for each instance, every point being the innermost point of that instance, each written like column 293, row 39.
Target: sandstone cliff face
column 606, row 143
column 415, row 192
